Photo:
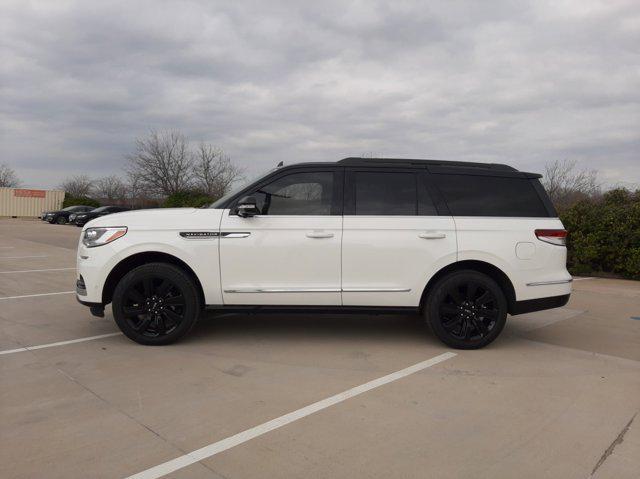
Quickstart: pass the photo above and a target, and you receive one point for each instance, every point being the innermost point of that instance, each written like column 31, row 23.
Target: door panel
column 388, row 259
column 393, row 241
column 280, row 260
column 288, row 254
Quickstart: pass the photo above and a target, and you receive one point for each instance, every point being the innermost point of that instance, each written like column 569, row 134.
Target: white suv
column 461, row 243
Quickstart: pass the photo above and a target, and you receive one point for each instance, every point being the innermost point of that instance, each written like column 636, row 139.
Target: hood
column 161, row 219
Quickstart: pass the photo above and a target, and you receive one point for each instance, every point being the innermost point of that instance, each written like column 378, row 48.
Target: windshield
column 220, row 201
column 98, row 210
column 72, row 208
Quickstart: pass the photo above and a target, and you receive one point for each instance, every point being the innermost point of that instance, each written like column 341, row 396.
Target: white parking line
column 244, row 436
column 60, row 343
column 36, row 270
column 35, row 295
column 23, row 257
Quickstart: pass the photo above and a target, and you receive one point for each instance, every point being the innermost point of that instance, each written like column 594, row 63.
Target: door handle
column 432, row 235
column 319, row 234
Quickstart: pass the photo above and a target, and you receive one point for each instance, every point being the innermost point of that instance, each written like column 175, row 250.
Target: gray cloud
column 515, row 82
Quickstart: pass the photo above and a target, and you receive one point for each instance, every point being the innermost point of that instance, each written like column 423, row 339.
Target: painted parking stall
column 257, row 396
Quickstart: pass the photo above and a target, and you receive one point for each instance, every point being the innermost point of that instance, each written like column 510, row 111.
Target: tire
column 466, row 309
column 156, row 304
column 61, row 220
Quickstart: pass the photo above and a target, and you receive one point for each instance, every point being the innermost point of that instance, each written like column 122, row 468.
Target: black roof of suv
column 357, row 161
column 434, row 166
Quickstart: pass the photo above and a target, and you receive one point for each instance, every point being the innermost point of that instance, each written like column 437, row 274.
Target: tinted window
column 468, row 195
column 297, row 194
column 385, row 193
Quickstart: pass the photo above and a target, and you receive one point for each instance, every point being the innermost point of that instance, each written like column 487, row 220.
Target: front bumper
column 97, row 309
column 93, row 266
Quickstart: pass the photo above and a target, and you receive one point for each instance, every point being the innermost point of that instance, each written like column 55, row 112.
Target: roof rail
column 358, row 161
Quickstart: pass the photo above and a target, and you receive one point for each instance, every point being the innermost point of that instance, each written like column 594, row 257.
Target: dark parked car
column 82, row 218
column 62, row 216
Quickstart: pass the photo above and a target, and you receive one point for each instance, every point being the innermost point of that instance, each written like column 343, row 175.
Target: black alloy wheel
column 61, row 220
column 466, row 309
column 156, row 303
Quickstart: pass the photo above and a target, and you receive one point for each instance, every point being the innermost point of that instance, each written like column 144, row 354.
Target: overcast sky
column 522, row 83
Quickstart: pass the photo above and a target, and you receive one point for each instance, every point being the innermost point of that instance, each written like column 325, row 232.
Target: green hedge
column 604, row 234
column 193, row 199
column 72, row 201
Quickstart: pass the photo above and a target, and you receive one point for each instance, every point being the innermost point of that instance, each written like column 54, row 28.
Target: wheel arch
column 495, row 273
column 138, row 259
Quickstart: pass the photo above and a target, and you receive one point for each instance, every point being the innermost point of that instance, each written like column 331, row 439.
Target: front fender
column 96, row 264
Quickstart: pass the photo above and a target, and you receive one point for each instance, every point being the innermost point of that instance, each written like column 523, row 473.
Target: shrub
column 604, row 234
column 193, row 199
column 73, row 201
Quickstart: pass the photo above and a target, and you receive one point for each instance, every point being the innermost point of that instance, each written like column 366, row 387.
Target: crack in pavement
column 618, row 440
column 132, row 418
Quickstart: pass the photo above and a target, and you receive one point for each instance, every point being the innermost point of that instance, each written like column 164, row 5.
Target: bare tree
column 161, row 163
column 110, row 188
column 566, row 184
column 8, row 177
column 78, row 186
column 213, row 171
column 134, row 190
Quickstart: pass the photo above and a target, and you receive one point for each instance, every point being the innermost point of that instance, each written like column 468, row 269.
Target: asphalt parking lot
column 555, row 396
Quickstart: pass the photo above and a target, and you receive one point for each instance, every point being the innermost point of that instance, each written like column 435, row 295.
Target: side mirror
column 247, row 207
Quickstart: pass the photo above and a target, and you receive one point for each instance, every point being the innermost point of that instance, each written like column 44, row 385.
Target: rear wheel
column 156, row 304
column 466, row 309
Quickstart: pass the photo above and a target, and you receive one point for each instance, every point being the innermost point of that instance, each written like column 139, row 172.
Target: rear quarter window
column 469, row 195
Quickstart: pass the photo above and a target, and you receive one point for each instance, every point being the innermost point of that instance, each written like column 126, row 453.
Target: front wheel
column 156, row 303
column 466, row 310
column 61, row 220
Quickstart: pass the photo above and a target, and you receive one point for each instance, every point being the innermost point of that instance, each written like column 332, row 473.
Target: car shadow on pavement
column 290, row 326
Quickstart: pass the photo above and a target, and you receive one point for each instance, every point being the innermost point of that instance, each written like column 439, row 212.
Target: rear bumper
column 539, row 304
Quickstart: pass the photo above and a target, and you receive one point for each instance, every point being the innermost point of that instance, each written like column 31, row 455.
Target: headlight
column 72, row 217
column 93, row 237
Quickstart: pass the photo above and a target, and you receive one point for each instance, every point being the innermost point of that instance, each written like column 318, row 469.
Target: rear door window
column 385, row 193
column 469, row 195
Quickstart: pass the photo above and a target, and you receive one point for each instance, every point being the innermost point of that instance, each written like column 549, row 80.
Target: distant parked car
column 82, row 218
column 62, row 216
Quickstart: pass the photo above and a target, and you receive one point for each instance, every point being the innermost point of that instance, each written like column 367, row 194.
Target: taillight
column 557, row 237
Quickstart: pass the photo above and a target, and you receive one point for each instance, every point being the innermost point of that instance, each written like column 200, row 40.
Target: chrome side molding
column 283, row 290
column 376, row 290
column 235, row 234
column 545, row 283
column 317, row 290
column 203, row 235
